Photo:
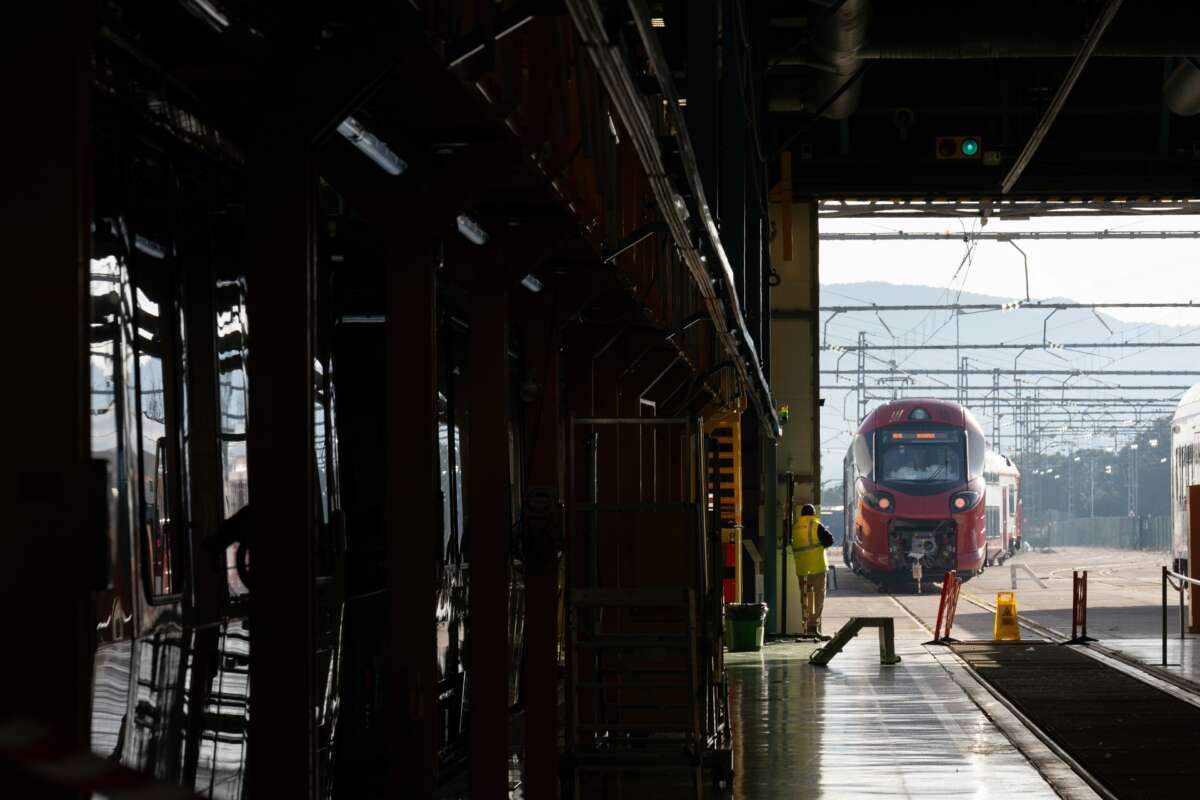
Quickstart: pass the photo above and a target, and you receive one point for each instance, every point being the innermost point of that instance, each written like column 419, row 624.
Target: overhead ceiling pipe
column 1181, row 90
column 830, row 62
column 1011, row 39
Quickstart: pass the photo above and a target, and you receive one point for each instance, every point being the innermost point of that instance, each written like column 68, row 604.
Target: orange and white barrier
column 947, row 606
column 1079, row 607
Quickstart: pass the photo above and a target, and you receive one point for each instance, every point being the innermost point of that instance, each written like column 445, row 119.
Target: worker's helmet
column 807, row 510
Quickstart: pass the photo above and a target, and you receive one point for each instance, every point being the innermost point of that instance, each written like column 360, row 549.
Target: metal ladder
column 638, row 696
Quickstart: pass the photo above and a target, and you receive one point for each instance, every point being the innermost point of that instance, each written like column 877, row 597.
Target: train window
column 321, row 410
column 155, row 317
column 862, row 456
column 976, row 453
column 106, row 276
column 232, row 328
column 911, row 458
column 453, row 396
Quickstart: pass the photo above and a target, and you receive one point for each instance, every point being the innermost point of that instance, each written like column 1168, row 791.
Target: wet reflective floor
column 859, row 729
column 1182, row 657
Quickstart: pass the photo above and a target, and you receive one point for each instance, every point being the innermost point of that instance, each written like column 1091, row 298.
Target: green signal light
column 970, row 147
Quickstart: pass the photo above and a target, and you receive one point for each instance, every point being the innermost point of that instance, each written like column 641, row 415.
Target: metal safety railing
column 1179, row 583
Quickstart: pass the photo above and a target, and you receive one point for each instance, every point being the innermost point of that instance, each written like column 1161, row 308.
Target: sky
column 1095, row 270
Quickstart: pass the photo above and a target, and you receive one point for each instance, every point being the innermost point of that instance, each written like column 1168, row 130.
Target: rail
column 1178, row 583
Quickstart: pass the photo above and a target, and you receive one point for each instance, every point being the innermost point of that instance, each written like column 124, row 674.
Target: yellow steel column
column 725, row 489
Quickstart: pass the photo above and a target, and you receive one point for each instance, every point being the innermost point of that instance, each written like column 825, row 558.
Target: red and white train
column 916, row 479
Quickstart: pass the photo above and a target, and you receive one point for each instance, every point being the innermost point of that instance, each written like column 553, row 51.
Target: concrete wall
column 795, row 382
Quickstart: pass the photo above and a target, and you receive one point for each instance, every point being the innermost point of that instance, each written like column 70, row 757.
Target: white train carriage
column 1185, row 472
column 1003, row 507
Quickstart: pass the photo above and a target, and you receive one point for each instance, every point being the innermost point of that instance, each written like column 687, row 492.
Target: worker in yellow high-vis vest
column 809, row 540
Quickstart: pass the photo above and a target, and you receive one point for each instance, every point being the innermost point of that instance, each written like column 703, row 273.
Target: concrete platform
column 924, row 728
column 859, row 729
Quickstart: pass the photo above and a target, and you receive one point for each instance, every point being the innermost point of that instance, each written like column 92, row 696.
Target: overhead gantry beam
column 1078, row 373
column 1052, row 346
column 995, row 208
column 1002, row 236
column 1013, row 306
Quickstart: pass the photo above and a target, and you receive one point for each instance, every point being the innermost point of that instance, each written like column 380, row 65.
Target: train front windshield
column 929, row 458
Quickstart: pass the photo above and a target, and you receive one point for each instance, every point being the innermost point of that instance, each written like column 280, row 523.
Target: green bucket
column 744, row 623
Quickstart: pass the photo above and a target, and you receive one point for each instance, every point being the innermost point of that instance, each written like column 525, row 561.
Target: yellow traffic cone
column 1007, row 628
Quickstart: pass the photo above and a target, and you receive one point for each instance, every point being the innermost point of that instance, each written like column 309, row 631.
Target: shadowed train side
column 170, row 346
column 914, row 486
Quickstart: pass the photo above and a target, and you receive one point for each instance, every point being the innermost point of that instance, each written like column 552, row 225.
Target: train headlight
column 880, row 501
column 964, row 501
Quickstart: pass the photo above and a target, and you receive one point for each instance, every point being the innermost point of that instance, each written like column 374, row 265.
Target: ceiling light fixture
column 372, row 146
column 658, row 22
column 149, row 247
column 532, row 283
column 210, row 13
column 471, row 230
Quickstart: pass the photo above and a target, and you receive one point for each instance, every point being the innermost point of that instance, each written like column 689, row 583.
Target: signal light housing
column 880, row 501
column 964, row 501
column 958, row 147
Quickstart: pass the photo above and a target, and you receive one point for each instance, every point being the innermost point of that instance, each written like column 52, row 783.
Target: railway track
column 1098, row 711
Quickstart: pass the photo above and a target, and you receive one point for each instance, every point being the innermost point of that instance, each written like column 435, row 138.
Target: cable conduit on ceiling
column 630, row 106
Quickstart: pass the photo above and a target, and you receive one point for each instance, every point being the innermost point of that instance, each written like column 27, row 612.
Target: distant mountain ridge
column 1019, row 326
column 1024, row 328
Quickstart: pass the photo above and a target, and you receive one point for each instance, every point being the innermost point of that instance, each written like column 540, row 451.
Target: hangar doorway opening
column 1063, row 335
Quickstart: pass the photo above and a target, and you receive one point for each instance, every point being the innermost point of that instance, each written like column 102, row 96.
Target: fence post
column 1164, row 616
column 1079, row 607
column 1083, row 605
column 1182, row 625
column 1074, row 605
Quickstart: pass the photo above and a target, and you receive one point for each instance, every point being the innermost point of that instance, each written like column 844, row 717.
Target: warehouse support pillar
column 414, row 509
column 541, row 535
column 282, row 214
column 489, row 520
column 45, row 139
column 795, row 373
